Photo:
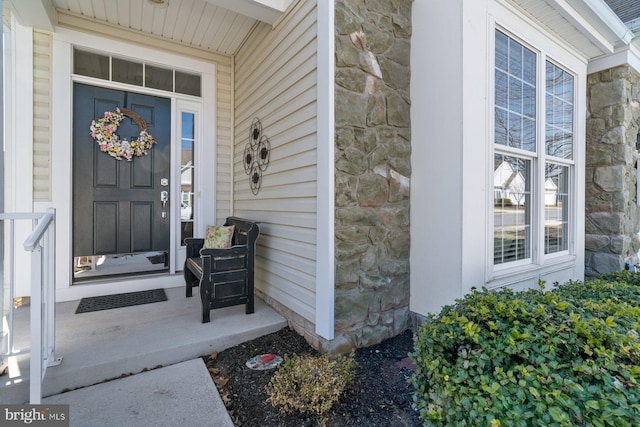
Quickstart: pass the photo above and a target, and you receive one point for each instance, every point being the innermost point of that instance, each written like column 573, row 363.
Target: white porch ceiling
column 213, row 25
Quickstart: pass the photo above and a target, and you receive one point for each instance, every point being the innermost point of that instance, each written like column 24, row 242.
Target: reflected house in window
column 550, row 193
column 186, row 184
column 508, row 185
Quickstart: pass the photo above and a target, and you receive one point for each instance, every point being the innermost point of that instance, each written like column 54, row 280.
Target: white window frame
column 195, row 108
column 539, row 158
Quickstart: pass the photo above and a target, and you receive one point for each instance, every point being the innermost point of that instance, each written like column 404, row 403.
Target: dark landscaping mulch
column 380, row 394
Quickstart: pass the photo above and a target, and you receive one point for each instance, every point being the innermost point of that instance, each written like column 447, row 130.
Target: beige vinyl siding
column 224, row 136
column 41, row 116
column 276, row 81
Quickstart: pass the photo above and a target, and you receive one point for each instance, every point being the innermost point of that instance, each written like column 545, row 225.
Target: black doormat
column 107, row 302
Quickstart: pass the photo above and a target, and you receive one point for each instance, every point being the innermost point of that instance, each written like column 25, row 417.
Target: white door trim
column 61, row 157
column 195, row 108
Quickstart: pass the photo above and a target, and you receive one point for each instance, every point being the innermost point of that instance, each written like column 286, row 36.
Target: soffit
column 197, row 23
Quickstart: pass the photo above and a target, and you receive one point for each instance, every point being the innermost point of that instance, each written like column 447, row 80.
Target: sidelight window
column 187, row 175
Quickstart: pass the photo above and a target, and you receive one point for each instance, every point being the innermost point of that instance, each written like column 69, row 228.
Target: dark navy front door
column 117, row 206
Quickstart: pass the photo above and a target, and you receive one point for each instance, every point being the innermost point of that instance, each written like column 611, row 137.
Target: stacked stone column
column 372, row 171
column 612, row 215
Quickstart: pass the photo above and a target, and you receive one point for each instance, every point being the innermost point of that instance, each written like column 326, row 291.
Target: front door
column 119, row 219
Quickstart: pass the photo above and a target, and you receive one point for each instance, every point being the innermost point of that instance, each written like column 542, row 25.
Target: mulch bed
column 380, row 394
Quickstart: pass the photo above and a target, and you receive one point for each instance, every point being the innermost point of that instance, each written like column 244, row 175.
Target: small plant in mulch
column 310, row 384
column 567, row 356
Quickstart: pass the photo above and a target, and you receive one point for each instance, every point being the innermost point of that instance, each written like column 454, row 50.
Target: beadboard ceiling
column 200, row 23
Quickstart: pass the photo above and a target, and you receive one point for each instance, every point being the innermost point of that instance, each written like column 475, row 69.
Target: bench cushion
column 218, row 236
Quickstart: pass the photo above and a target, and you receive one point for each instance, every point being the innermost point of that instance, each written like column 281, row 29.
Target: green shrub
column 625, row 276
column 569, row 356
column 310, row 384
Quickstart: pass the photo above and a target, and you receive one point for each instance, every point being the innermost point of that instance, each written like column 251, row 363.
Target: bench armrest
column 193, row 247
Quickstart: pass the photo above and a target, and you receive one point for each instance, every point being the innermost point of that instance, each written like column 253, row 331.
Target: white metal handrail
column 41, row 244
column 11, row 218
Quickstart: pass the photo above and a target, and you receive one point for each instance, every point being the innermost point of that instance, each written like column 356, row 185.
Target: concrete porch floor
column 106, row 344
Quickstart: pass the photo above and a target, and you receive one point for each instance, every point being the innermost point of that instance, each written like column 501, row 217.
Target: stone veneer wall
column 612, row 215
column 373, row 169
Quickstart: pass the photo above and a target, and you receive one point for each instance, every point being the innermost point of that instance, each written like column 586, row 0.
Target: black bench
column 225, row 276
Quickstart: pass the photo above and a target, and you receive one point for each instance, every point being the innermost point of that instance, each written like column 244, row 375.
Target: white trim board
column 325, row 228
column 19, row 146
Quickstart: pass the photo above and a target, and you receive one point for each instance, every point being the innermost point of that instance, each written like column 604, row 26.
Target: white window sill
column 517, row 274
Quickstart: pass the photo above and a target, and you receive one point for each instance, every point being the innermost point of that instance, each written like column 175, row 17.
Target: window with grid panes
column 533, row 154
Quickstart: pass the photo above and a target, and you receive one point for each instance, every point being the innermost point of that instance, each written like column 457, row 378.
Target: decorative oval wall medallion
column 256, row 155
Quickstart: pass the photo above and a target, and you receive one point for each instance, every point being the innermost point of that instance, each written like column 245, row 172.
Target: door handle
column 164, row 198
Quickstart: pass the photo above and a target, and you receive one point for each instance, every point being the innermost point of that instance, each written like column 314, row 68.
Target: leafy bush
column 310, row 384
column 569, row 356
column 624, row 276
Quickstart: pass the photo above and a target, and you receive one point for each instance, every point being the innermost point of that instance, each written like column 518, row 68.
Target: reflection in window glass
column 158, row 78
column 502, row 58
column 524, row 114
column 126, row 71
column 556, row 208
column 135, row 73
column 559, row 115
column 187, row 176
column 512, row 209
column 188, row 84
column 90, row 64
column 515, row 94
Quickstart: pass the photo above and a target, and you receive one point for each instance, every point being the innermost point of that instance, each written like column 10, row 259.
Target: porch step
column 104, row 345
column 178, row 395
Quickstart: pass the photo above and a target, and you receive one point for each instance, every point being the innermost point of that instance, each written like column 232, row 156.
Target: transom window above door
column 112, row 68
